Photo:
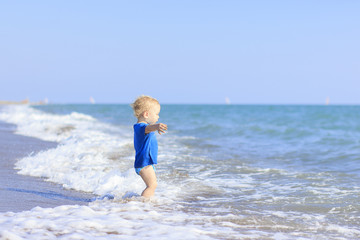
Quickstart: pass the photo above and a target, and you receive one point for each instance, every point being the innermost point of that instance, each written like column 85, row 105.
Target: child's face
column 153, row 114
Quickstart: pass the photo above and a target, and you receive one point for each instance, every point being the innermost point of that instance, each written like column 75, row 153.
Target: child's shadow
column 130, row 195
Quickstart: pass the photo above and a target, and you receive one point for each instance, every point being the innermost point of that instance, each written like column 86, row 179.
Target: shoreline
column 19, row 192
column 23, row 102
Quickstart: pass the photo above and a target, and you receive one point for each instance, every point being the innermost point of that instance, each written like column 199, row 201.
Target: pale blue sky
column 269, row 52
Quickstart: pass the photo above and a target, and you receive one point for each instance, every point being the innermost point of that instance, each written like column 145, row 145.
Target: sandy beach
column 18, row 192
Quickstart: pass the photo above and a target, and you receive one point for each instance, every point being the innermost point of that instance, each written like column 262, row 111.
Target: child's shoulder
column 140, row 125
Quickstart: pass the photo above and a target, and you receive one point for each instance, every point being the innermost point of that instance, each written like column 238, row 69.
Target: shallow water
column 225, row 172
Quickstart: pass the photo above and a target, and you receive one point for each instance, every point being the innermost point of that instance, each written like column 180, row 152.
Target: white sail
column 327, row 102
column 227, row 100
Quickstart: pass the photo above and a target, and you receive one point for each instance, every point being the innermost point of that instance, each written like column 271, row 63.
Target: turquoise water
column 259, row 170
column 305, row 138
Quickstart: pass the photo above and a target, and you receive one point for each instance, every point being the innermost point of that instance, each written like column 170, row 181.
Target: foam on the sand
column 103, row 220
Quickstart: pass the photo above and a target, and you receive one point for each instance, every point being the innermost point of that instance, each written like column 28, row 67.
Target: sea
column 224, row 172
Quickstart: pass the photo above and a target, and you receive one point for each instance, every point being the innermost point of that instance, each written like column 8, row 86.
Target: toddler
column 146, row 110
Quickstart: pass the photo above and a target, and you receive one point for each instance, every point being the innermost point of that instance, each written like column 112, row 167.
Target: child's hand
column 161, row 128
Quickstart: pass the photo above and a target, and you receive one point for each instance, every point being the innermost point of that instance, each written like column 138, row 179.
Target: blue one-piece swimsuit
column 146, row 147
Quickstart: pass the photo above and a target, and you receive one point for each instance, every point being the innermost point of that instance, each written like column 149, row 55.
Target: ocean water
column 224, row 172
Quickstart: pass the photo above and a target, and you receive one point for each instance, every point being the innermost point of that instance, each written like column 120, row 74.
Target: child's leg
column 149, row 177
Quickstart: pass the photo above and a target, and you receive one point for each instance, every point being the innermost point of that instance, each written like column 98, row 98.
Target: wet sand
column 18, row 192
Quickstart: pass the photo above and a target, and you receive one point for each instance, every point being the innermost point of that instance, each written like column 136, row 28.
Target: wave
column 91, row 156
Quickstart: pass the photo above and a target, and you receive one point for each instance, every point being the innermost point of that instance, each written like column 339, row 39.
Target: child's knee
column 153, row 184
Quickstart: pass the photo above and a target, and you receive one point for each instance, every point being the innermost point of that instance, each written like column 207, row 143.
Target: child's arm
column 160, row 127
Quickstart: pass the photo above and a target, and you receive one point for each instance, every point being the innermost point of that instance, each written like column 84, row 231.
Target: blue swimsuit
column 146, row 147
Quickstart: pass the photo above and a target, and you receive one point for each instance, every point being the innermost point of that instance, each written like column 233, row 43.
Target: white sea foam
column 103, row 220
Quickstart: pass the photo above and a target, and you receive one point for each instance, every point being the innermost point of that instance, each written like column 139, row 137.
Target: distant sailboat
column 227, row 100
column 327, row 102
column 92, row 100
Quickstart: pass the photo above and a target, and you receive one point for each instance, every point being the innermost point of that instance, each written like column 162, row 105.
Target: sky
column 188, row 51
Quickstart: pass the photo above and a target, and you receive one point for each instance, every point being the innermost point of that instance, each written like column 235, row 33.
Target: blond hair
column 142, row 104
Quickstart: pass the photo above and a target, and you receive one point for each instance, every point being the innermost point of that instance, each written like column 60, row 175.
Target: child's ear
column 146, row 114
